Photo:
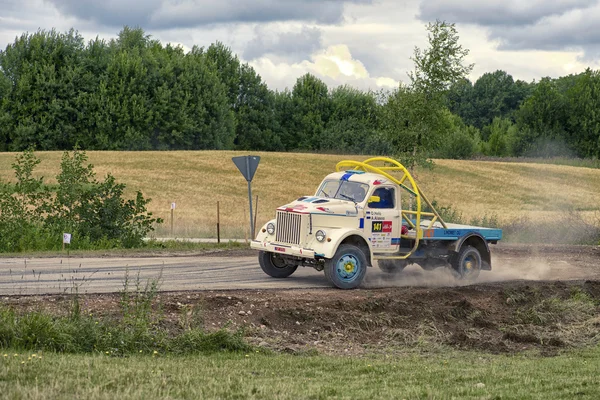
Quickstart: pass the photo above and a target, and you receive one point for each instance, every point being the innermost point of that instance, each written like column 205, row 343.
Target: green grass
column 255, row 375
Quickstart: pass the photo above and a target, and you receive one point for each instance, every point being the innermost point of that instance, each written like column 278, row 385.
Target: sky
column 364, row 43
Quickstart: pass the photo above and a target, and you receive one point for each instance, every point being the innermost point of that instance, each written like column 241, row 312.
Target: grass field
column 196, row 180
column 449, row 374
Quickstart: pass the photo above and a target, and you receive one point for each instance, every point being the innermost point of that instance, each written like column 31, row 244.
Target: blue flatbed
column 456, row 231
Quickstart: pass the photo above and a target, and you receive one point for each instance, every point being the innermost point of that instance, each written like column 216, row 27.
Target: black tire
column 466, row 265
column 392, row 266
column 274, row 265
column 347, row 268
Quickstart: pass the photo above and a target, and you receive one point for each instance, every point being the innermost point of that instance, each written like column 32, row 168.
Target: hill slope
column 196, row 180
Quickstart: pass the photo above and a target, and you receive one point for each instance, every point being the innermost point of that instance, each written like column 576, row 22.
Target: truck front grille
column 288, row 227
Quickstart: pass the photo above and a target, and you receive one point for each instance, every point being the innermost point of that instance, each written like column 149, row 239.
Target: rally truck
column 369, row 212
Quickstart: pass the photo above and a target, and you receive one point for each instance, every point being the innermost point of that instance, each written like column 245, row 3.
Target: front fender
column 264, row 236
column 327, row 248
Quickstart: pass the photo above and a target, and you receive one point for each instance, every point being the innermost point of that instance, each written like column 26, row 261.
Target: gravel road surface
column 240, row 270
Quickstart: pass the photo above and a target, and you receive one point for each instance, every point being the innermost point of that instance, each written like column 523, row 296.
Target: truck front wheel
column 274, row 265
column 466, row 265
column 347, row 268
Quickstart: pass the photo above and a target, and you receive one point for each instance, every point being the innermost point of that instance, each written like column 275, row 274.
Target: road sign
column 247, row 165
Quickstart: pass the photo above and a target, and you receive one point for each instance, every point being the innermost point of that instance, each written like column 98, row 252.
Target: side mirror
column 374, row 199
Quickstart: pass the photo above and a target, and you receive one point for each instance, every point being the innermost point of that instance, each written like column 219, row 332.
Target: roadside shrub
column 448, row 213
column 34, row 215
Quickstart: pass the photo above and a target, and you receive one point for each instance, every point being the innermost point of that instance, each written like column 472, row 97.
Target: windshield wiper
column 347, row 197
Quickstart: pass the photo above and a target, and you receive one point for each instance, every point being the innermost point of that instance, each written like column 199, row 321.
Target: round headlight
column 320, row 235
column 271, row 228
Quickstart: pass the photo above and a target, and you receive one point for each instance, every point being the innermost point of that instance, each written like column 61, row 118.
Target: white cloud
column 334, row 65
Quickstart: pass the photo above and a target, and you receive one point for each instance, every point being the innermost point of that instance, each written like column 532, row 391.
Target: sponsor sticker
column 381, row 226
column 381, row 240
column 387, row 226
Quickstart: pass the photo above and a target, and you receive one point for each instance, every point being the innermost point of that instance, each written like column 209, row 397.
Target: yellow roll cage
column 391, row 165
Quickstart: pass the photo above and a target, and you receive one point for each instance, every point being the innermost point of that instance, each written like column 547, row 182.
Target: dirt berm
column 503, row 317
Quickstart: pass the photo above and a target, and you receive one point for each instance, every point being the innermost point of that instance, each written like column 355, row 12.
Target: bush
column 448, row 213
column 461, row 141
column 33, row 216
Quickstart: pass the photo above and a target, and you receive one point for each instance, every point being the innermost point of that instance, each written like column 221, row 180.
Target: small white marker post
column 66, row 240
column 172, row 216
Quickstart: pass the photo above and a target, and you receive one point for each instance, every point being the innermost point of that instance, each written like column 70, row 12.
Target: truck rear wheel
column 392, row 266
column 274, row 265
column 347, row 268
column 466, row 265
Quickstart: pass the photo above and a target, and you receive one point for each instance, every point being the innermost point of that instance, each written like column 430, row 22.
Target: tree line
column 58, row 92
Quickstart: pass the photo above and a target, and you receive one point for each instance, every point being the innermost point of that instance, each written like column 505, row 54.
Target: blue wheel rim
column 469, row 265
column 347, row 268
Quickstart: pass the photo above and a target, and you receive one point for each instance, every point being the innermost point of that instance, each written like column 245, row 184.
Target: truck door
column 382, row 220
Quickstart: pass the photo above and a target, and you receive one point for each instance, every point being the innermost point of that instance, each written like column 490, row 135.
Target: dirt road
column 240, row 270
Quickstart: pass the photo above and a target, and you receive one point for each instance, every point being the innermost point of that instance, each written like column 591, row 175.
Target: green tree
column 213, row 118
column 495, row 94
column 283, row 108
column 413, row 115
column 542, row 120
column 255, row 114
column 311, row 110
column 583, row 120
column 123, row 120
column 352, row 124
column 461, row 141
column 442, row 63
column 5, row 118
column 502, row 138
column 173, row 121
column 460, row 101
column 132, row 39
column 44, row 72
column 228, row 68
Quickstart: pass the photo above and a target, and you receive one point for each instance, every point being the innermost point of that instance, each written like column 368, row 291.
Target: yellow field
column 196, row 180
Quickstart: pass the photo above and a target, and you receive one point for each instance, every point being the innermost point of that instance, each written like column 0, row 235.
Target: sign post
column 247, row 166
column 172, row 216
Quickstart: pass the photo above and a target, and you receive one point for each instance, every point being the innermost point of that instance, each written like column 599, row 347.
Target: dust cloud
column 535, row 266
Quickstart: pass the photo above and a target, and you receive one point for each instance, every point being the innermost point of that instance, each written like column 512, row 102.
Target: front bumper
column 290, row 250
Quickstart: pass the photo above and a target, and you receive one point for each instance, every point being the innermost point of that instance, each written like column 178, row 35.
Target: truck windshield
column 343, row 190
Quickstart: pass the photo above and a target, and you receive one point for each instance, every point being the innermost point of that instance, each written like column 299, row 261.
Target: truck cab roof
column 368, row 178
